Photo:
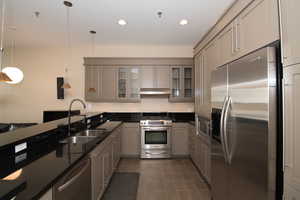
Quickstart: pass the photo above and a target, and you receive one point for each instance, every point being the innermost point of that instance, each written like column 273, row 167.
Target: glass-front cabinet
column 128, row 84
column 182, row 84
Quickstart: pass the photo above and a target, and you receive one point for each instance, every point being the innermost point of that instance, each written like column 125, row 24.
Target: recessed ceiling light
column 183, row 22
column 122, row 22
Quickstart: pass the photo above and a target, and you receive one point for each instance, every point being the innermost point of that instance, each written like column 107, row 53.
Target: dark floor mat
column 123, row 186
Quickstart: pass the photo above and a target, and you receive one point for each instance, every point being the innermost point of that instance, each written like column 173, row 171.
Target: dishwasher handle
column 74, row 178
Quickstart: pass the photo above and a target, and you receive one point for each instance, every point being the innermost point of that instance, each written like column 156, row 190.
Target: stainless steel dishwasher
column 75, row 184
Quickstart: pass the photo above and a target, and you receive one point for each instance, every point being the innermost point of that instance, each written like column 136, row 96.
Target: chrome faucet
column 69, row 114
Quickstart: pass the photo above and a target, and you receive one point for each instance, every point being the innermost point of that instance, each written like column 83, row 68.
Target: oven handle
column 155, row 128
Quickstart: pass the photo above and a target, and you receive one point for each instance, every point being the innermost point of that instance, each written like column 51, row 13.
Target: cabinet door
column 92, row 89
column 210, row 64
column 147, row 77
column 108, row 83
column 176, row 82
column 162, row 76
column 292, row 126
column 290, row 23
column 134, row 84
column 188, row 84
column 258, row 25
column 291, row 194
column 198, row 81
column 131, row 139
column 226, row 42
column 107, row 164
column 180, row 140
column 97, row 176
column 128, row 84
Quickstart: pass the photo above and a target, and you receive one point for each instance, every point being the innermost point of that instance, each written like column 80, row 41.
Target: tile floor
column 175, row 179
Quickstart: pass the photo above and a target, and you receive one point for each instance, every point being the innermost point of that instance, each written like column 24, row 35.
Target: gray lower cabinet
column 180, row 140
column 182, row 84
column 47, row 195
column 131, row 140
column 200, row 152
column 105, row 158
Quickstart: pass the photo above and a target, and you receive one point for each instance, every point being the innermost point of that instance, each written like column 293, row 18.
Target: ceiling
column 144, row 27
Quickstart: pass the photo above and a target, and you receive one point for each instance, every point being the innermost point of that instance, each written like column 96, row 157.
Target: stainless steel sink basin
column 78, row 140
column 91, row 133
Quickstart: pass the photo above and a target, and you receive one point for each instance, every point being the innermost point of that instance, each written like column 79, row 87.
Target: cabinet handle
column 237, row 39
column 232, row 40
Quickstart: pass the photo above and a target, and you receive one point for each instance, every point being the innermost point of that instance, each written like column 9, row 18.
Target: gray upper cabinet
column 155, row 77
column 147, row 77
column 108, row 83
column 162, row 77
column 182, row 84
column 128, row 84
column 100, row 83
column 92, row 89
column 290, row 31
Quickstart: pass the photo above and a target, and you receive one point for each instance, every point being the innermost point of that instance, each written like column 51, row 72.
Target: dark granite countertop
column 24, row 133
column 42, row 166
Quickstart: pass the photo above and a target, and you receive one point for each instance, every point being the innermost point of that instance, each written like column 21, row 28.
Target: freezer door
column 247, row 126
column 219, row 167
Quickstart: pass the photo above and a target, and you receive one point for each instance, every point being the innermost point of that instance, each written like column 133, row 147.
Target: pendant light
column 12, row 71
column 3, row 76
column 68, row 5
column 93, row 33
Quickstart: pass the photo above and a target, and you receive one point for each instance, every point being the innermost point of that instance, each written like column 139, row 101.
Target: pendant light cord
column 2, row 34
column 68, row 37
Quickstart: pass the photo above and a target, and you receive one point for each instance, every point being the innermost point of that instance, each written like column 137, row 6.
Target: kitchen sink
column 91, row 133
column 78, row 140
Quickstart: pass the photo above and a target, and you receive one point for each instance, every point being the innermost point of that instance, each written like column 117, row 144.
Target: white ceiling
column 144, row 27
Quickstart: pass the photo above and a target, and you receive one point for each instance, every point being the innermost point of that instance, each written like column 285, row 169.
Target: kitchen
column 189, row 100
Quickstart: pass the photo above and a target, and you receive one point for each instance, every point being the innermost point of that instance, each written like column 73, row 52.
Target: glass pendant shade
column 66, row 86
column 15, row 74
column 4, row 77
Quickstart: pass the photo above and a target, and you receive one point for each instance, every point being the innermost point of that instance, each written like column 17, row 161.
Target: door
column 176, row 74
column 188, row 86
column 128, row 84
column 226, row 40
column 162, row 76
column 247, row 127
column 292, row 129
column 290, row 31
column 75, row 184
column 258, row 26
column 147, row 77
column 198, row 81
column 92, row 90
column 155, row 138
column 108, row 83
column 219, row 166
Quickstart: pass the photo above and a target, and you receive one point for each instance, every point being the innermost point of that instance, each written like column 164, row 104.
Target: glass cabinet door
column 176, row 82
column 122, row 83
column 134, row 83
column 188, row 82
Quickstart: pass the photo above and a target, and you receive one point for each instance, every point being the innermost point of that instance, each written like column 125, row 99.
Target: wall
column 26, row 101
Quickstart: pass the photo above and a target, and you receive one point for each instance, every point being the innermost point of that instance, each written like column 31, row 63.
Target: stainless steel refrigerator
column 243, row 152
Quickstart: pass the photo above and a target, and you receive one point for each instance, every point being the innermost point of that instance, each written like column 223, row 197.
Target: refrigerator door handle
column 229, row 153
column 222, row 136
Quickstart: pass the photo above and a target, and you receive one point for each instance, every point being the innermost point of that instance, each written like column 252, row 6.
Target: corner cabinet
column 128, row 84
column 290, row 31
column 182, row 84
column 291, row 132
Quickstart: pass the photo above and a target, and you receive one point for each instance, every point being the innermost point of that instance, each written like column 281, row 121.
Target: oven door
column 156, row 137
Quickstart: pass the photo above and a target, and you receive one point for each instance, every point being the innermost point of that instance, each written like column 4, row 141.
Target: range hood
column 155, row 91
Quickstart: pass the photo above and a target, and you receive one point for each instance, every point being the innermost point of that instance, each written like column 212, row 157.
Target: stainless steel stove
column 156, row 137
